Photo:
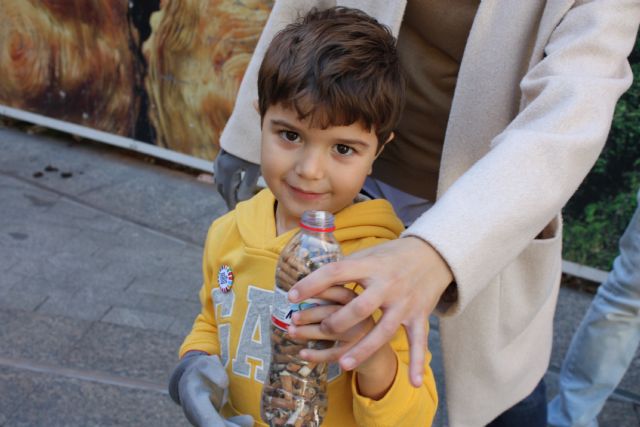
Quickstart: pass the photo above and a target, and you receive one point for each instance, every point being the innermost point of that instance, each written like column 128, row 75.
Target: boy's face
column 312, row 168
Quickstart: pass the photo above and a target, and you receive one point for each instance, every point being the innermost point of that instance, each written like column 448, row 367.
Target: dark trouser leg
column 529, row 412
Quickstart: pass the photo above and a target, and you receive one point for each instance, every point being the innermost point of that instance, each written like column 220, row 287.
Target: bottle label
column 283, row 309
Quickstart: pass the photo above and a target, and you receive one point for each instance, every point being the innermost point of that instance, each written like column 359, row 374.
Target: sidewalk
column 99, row 273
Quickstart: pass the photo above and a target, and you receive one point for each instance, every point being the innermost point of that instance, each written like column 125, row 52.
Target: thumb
column 227, row 187
column 248, row 182
column 197, row 406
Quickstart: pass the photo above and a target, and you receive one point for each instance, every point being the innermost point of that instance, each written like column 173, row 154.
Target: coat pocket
column 528, row 283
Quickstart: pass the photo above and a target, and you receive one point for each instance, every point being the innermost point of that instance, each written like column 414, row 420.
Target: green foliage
column 597, row 215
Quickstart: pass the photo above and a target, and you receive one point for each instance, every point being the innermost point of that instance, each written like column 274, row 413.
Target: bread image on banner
column 196, row 56
column 72, row 61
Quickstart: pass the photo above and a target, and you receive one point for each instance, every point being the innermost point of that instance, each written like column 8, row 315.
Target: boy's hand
column 376, row 373
column 306, row 326
column 199, row 384
column 236, row 179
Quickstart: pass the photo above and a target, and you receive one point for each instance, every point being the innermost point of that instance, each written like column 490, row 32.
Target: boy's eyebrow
column 283, row 123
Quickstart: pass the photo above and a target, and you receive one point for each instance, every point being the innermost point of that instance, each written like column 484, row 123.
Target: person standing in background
column 607, row 339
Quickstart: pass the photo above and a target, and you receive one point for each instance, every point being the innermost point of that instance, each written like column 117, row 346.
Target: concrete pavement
column 100, row 254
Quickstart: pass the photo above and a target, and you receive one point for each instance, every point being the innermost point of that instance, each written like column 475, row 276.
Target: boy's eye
column 344, row 150
column 290, row 135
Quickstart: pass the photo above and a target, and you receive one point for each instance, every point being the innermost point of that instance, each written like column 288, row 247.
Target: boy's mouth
column 309, row 195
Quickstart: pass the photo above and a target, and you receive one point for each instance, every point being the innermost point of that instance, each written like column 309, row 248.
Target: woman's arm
column 534, row 166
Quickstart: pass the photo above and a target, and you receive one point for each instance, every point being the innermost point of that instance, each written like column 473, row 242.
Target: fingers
column 307, row 332
column 337, row 294
column 248, row 182
column 227, row 177
column 227, row 183
column 328, row 355
column 382, row 333
column 417, row 335
column 316, row 332
column 335, row 273
column 232, row 184
column 354, row 312
column 313, row 315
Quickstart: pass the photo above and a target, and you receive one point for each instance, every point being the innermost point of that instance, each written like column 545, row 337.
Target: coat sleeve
column 498, row 206
column 204, row 333
column 241, row 134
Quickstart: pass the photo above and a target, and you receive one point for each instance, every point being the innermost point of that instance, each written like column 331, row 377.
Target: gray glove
column 236, row 178
column 199, row 384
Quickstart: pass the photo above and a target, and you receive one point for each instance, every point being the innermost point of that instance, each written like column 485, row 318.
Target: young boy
column 330, row 92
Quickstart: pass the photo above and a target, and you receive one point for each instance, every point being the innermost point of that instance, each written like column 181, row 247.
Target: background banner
column 161, row 72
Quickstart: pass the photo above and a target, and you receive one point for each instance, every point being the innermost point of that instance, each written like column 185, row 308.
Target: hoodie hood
column 372, row 219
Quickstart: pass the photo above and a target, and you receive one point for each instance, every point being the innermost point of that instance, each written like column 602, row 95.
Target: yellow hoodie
column 236, row 324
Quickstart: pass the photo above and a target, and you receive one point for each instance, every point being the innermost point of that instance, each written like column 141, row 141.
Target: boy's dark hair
column 337, row 66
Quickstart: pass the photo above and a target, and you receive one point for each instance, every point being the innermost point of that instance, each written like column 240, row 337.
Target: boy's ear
column 391, row 136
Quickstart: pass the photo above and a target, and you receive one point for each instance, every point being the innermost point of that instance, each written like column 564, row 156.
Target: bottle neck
column 318, row 221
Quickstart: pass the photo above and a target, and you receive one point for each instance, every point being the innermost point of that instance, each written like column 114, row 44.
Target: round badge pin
column 225, row 278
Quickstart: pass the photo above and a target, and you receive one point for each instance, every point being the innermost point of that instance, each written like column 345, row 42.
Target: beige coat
column 531, row 111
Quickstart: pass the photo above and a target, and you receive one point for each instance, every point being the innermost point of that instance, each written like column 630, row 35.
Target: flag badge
column 225, row 278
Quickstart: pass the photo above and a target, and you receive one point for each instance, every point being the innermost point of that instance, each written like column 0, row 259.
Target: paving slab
column 138, row 318
column 27, row 155
column 20, row 299
column 178, row 307
column 8, row 280
column 177, row 210
column 74, row 307
column 170, row 283
column 58, row 401
column 181, row 326
column 15, row 386
column 110, row 179
column 38, row 337
column 125, row 351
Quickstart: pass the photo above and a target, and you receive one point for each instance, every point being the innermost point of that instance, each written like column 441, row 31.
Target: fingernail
column 417, row 380
column 303, row 354
column 293, row 295
column 348, row 363
column 291, row 329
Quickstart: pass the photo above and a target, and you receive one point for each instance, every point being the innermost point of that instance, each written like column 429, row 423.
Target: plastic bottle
column 295, row 391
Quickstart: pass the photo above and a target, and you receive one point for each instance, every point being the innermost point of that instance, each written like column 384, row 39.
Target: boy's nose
column 310, row 164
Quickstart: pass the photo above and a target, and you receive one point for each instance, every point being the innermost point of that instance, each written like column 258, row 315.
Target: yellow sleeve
column 403, row 405
column 204, row 333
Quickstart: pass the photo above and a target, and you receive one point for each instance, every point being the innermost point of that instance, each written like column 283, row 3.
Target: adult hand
column 199, row 384
column 235, row 178
column 404, row 278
